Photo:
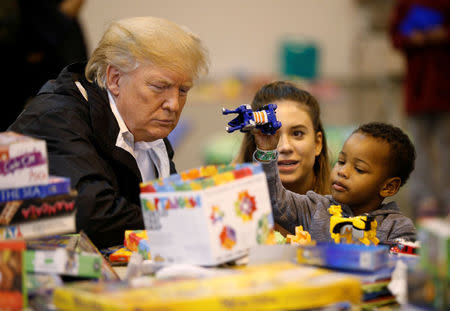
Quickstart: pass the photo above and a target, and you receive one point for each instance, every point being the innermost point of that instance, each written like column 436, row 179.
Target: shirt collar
column 125, row 138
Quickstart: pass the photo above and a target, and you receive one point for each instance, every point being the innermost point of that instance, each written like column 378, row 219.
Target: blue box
column 353, row 257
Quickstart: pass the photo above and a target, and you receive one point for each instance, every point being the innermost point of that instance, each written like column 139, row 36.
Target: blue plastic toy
column 264, row 119
column 420, row 18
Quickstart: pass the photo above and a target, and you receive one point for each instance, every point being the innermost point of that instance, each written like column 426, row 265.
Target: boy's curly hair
column 403, row 153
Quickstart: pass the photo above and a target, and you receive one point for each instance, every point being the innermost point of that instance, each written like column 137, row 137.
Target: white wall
column 243, row 35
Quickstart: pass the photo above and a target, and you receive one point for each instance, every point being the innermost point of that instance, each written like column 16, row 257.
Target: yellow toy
column 301, row 237
column 362, row 228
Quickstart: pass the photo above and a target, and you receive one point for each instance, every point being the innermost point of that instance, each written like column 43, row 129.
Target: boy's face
column 360, row 173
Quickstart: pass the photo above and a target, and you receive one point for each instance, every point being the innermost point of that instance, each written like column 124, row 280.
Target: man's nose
column 172, row 102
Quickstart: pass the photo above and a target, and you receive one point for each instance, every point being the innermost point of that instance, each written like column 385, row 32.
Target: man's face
column 360, row 172
column 150, row 100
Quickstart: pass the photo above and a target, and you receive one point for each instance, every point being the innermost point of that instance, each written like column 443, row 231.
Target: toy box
column 434, row 236
column 13, row 293
column 65, row 262
column 207, row 216
column 23, row 161
column 274, row 286
column 345, row 256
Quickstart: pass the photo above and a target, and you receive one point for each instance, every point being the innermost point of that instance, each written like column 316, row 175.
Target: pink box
column 23, row 161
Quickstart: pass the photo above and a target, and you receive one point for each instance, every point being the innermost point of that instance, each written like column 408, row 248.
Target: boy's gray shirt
column 291, row 209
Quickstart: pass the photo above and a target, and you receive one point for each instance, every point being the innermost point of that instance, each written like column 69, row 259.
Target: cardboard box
column 345, row 256
column 275, row 286
column 13, row 290
column 434, row 251
column 23, row 161
column 229, row 212
column 64, row 262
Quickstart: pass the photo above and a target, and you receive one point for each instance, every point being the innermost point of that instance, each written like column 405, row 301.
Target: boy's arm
column 401, row 227
column 289, row 209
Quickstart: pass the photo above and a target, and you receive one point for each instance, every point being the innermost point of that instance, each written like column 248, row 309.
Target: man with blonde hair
column 106, row 122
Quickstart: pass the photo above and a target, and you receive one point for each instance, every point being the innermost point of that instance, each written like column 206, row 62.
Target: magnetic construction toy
column 301, row 237
column 362, row 228
column 264, row 119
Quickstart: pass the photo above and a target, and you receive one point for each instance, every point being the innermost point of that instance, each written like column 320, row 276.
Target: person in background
column 46, row 37
column 106, row 122
column 303, row 160
column 375, row 161
column 420, row 29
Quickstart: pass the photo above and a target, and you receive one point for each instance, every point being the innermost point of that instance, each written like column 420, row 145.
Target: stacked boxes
column 23, row 161
column 209, row 215
column 32, row 203
column 428, row 281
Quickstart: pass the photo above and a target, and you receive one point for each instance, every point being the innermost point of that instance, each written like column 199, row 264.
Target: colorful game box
column 23, row 161
column 353, row 257
column 65, row 262
column 274, row 286
column 207, row 216
column 13, row 294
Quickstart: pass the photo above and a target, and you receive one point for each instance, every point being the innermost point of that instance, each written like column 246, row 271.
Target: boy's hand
column 264, row 141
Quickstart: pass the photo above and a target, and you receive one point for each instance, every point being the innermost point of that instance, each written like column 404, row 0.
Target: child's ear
column 390, row 187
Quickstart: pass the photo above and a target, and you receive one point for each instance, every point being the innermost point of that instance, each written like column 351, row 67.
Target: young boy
column 375, row 161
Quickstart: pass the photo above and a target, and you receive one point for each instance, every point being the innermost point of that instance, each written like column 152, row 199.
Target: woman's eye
column 298, row 133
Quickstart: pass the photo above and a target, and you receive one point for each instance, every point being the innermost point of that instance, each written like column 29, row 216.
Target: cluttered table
column 213, row 247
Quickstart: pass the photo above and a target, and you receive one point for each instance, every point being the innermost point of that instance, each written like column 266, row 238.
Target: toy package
column 354, row 257
column 274, row 286
column 434, row 236
column 207, row 216
column 23, row 161
column 13, row 294
column 65, row 262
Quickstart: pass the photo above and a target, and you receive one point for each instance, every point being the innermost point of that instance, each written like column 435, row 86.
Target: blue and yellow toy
column 264, row 119
column 362, row 228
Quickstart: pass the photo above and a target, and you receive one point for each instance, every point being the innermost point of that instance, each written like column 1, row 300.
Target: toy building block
column 264, row 119
column 405, row 248
column 301, row 237
column 122, row 255
column 362, row 228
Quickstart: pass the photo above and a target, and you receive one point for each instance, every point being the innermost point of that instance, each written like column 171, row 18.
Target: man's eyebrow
column 170, row 82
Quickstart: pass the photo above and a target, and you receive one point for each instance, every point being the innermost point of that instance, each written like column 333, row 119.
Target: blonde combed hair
column 128, row 42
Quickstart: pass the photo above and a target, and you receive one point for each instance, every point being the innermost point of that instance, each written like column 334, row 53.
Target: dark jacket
column 291, row 209
column 81, row 137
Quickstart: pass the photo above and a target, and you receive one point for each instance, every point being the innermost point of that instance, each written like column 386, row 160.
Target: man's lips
column 338, row 186
column 287, row 166
column 165, row 122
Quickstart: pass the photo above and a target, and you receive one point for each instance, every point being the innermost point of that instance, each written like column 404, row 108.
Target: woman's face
column 298, row 146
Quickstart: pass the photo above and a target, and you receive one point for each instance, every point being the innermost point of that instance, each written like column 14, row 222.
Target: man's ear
column 390, row 187
column 112, row 79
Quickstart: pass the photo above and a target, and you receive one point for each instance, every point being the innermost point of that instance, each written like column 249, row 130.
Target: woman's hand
column 264, row 141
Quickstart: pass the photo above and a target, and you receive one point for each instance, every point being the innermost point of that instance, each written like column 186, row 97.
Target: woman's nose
column 284, row 144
